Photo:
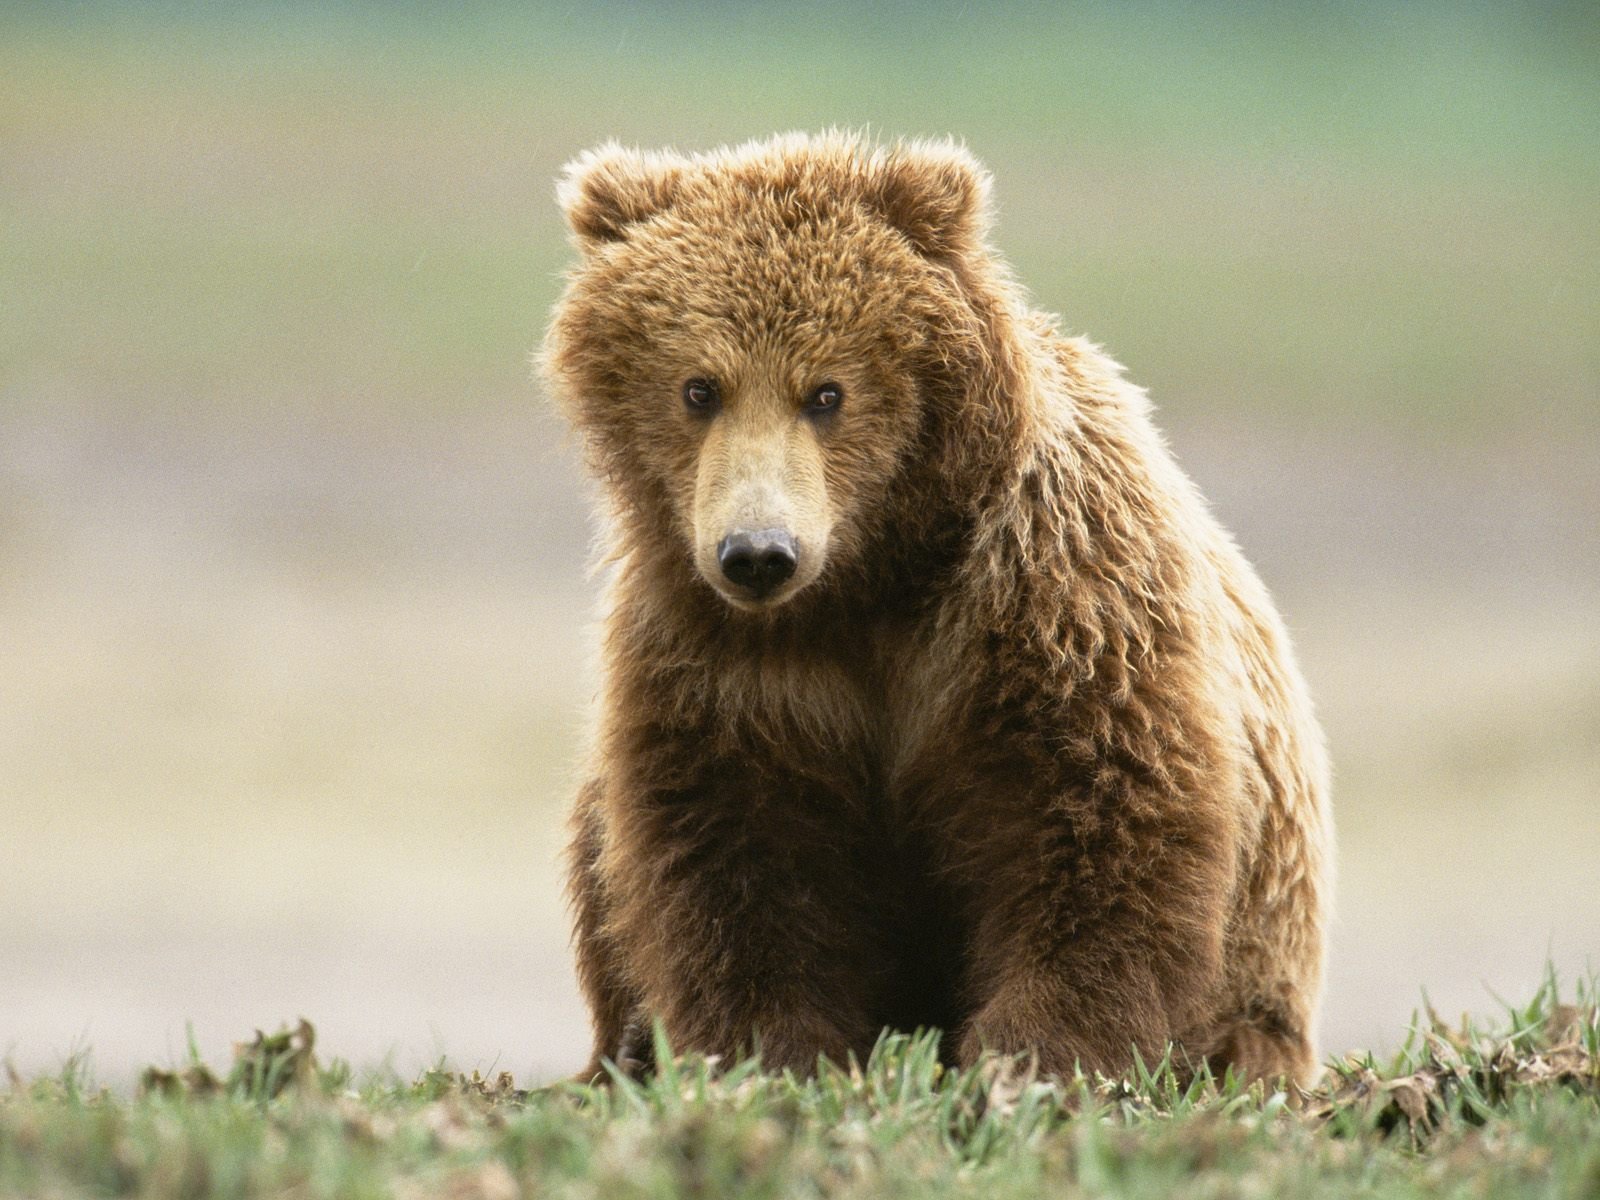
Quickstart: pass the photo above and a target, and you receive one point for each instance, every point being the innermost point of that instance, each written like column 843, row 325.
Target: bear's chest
column 808, row 705
column 871, row 710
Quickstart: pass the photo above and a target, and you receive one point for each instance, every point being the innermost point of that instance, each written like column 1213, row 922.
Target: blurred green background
column 293, row 609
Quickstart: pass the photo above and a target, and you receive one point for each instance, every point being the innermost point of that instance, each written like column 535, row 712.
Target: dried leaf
column 269, row 1064
column 196, row 1080
column 1446, row 1054
column 1004, row 1080
column 1566, row 1025
column 1411, row 1095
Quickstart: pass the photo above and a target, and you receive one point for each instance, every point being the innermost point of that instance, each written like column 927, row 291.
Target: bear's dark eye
column 700, row 395
column 825, row 398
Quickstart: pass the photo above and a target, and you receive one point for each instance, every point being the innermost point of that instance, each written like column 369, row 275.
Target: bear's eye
column 700, row 395
column 825, row 399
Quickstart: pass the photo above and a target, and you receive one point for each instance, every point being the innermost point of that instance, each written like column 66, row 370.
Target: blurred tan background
column 293, row 641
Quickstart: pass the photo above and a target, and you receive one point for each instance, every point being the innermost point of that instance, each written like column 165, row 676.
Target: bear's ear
column 605, row 190
column 935, row 193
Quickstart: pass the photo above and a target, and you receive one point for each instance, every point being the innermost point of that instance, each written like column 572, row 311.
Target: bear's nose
column 757, row 561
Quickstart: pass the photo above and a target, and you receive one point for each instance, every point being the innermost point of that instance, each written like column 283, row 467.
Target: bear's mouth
column 752, row 600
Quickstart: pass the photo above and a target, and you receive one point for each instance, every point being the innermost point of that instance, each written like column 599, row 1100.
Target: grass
column 1507, row 1111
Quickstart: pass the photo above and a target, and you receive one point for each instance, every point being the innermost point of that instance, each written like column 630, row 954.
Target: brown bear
column 933, row 694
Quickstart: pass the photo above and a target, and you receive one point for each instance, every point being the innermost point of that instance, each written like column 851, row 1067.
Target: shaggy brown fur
column 1019, row 750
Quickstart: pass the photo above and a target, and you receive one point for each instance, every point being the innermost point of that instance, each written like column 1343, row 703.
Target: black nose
column 759, row 561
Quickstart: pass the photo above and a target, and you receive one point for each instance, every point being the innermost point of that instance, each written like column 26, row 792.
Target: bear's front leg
column 738, row 909
column 1098, row 922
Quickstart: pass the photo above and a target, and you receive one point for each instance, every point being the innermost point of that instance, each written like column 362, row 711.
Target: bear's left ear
column 605, row 190
column 935, row 193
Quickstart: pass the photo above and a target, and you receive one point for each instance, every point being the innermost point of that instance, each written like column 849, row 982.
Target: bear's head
column 751, row 342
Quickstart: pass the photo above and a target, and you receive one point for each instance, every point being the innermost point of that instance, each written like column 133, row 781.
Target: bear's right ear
column 605, row 190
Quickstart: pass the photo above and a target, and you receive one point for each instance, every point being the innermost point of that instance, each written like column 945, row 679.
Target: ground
column 1505, row 1112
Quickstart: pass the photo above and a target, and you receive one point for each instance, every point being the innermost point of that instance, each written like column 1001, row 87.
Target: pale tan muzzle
column 761, row 513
